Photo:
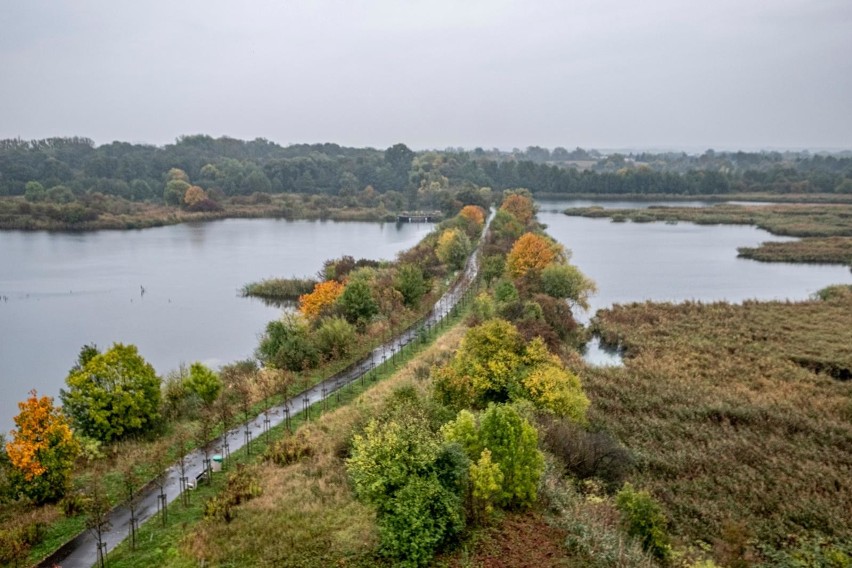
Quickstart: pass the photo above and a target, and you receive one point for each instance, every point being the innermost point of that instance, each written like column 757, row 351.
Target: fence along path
column 83, row 551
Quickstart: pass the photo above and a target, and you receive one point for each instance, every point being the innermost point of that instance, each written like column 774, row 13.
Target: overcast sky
column 721, row 74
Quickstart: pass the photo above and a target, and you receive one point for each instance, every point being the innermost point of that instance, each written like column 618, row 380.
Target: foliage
column 113, row 394
column 324, row 295
column 565, row 281
column 644, row 520
column 473, row 213
column 485, row 367
column 513, row 444
column 287, row 344
column 411, row 283
column 531, row 253
column 486, row 479
column 42, row 450
column 420, row 517
column 453, row 248
column 335, row 338
column 203, row 383
column 357, row 303
column 34, row 191
column 495, row 364
column 397, row 465
column 521, row 207
column 557, row 390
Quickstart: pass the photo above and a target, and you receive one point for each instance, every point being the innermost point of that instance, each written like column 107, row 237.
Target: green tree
column 112, row 395
column 42, row 450
column 514, row 446
column 565, row 281
column 174, row 192
column 402, row 468
column 486, row 479
column 411, row 284
column 34, row 191
column 357, row 303
column 204, row 383
column 287, row 344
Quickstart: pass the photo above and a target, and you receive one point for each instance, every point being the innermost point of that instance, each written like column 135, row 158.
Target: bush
column 644, row 519
column 335, row 338
column 290, row 449
column 243, row 485
column 584, row 454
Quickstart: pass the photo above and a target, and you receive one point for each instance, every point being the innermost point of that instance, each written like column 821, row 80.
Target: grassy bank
column 826, row 230
column 740, row 419
column 114, row 213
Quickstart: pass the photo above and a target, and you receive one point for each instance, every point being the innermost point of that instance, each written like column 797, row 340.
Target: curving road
column 82, row 551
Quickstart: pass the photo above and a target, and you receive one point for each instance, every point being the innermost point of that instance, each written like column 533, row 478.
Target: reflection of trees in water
column 290, row 305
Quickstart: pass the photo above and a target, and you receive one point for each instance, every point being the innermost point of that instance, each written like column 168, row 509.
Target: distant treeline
column 66, row 168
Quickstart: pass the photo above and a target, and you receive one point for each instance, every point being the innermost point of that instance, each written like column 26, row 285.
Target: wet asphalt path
column 82, row 552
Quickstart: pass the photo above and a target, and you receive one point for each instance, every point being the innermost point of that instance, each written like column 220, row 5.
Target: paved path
column 82, row 552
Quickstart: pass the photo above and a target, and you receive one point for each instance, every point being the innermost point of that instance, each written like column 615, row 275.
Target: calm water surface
column 64, row 290
column 656, row 261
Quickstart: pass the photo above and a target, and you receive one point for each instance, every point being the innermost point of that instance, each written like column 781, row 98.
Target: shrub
column 335, row 338
column 644, row 519
column 243, row 485
column 584, row 454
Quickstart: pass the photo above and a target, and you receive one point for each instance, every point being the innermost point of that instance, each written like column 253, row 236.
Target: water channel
column 662, row 262
column 59, row 291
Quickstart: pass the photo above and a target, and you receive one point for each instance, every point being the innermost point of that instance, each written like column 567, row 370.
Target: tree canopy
column 112, row 395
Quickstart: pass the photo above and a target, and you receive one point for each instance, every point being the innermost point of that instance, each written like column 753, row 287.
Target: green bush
column 645, row 521
column 335, row 338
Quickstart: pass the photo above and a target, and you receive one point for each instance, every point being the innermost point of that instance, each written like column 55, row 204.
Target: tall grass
column 736, row 415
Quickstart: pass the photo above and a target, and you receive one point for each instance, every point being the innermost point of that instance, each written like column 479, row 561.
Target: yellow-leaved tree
column 42, row 450
column 520, row 207
column 324, row 295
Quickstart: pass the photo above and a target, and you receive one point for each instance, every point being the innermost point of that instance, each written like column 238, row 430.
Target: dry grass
column 734, row 414
column 307, row 515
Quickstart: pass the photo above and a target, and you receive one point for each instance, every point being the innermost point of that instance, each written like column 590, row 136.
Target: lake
column 59, row 291
column 662, row 262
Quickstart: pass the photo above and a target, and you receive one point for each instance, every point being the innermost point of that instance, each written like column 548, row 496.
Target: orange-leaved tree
column 473, row 213
column 42, row 450
column 323, row 295
column 532, row 253
column 520, row 206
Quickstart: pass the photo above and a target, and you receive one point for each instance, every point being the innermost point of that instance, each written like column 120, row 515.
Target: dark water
column 65, row 290
column 657, row 261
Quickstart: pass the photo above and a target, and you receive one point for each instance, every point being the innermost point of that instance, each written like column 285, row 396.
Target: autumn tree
column 42, row 450
column 532, row 253
column 323, row 296
column 453, row 248
column 194, row 197
column 519, row 206
column 112, row 395
column 474, row 214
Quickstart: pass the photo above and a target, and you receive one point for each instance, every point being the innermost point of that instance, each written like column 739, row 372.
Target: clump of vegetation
column 820, row 250
column 281, row 289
